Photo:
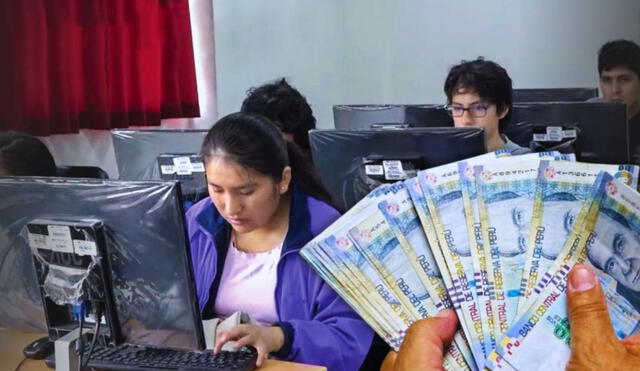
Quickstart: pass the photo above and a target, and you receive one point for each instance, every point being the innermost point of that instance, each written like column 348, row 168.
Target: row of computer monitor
column 603, row 127
column 361, row 141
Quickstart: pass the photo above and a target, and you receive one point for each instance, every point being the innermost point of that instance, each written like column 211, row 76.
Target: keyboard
column 129, row 357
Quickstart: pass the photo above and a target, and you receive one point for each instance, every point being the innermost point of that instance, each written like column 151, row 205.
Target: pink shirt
column 248, row 283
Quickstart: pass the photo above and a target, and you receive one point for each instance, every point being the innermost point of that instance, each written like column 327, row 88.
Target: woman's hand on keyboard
column 264, row 339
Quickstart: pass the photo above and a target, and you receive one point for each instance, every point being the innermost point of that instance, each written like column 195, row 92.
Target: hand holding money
column 424, row 344
column 594, row 345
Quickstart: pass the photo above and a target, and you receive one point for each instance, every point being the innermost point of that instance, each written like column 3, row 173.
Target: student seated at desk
column 480, row 94
column 286, row 107
column 22, row 154
column 245, row 241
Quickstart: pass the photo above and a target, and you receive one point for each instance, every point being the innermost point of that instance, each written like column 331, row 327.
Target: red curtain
column 94, row 64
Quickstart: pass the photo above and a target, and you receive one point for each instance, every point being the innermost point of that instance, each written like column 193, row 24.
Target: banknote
column 562, row 190
column 442, row 198
column 399, row 211
column 505, row 200
column 606, row 236
column 484, row 289
column 377, row 243
column 339, row 250
column 367, row 307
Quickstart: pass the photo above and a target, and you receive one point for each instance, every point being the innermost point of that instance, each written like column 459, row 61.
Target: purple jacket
column 319, row 327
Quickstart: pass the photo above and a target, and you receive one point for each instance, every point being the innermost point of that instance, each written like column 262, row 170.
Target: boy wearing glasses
column 479, row 94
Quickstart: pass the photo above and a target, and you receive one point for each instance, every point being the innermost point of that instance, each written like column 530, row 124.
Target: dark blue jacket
column 319, row 327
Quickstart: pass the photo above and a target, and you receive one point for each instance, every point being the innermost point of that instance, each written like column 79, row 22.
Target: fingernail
column 444, row 313
column 582, row 279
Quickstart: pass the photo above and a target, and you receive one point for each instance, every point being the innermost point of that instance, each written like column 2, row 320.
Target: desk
column 12, row 342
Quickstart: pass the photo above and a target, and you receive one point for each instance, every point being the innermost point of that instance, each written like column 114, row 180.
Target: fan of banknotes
column 492, row 237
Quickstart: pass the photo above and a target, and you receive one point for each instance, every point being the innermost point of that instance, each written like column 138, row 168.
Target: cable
column 96, row 332
column 20, row 364
column 78, row 312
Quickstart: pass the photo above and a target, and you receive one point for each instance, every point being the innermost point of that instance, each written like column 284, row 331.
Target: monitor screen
column 351, row 163
column 349, row 117
column 554, row 95
column 145, row 245
column 161, row 155
column 360, row 116
column 602, row 127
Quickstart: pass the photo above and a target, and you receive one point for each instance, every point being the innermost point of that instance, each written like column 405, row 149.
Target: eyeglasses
column 475, row 111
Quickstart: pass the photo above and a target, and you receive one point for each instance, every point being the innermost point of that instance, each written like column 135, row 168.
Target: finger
column 225, row 336
column 632, row 340
column 260, row 347
column 587, row 309
column 389, row 361
column 424, row 344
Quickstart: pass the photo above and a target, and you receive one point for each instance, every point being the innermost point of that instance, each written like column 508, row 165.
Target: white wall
column 390, row 51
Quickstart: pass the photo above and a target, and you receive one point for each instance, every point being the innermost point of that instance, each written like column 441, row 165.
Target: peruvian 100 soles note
column 377, row 242
column 562, row 190
column 504, row 201
column 607, row 236
column 340, row 252
column 376, row 302
column 401, row 215
column 484, row 289
column 441, row 188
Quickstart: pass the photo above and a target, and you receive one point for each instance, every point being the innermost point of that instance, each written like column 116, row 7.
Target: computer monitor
column 148, row 263
column 603, row 128
column 350, row 117
column 365, row 116
column 152, row 154
column 554, row 95
column 427, row 115
column 351, row 163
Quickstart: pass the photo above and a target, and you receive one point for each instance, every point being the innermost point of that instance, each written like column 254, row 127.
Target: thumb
column 425, row 342
column 588, row 314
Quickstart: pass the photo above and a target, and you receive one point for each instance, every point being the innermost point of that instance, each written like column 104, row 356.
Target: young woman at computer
column 263, row 207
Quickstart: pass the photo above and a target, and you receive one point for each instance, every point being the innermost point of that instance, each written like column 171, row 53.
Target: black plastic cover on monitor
column 349, row 117
column 554, row 95
column 353, row 162
column 603, row 127
column 146, row 246
column 363, row 116
column 140, row 155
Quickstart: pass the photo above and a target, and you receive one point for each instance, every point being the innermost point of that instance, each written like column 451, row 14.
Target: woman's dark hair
column 619, row 53
column 285, row 106
column 490, row 80
column 22, row 154
column 255, row 142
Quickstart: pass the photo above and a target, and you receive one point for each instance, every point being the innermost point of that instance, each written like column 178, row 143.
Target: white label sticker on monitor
column 59, row 238
column 167, row 169
column 197, row 167
column 554, row 133
column 183, row 165
column 38, row 241
column 393, row 170
column 569, row 133
column 373, row 170
column 540, row 137
column 82, row 247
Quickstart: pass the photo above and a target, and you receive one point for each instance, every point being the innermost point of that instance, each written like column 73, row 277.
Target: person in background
column 24, row 155
column 480, row 94
column 264, row 206
column 619, row 71
column 594, row 345
column 286, row 107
